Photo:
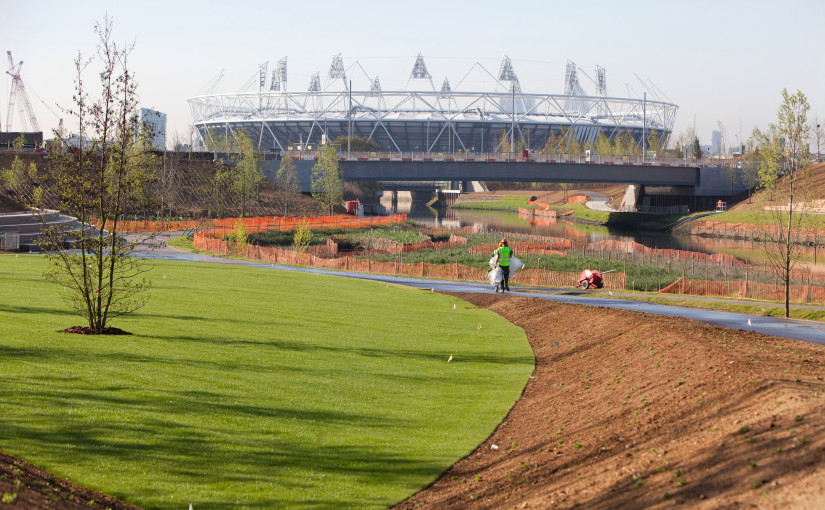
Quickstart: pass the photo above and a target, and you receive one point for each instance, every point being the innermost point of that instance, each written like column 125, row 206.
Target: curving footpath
column 807, row 331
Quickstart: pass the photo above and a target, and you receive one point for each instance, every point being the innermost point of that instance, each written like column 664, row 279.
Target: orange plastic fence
column 220, row 228
column 746, row 231
column 745, row 289
column 204, row 242
column 633, row 247
column 716, row 258
column 555, row 246
column 255, row 224
column 454, row 242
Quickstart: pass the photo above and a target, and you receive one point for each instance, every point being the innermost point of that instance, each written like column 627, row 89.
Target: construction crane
column 18, row 94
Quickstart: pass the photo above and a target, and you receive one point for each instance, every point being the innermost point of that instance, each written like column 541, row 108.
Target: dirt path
column 626, row 410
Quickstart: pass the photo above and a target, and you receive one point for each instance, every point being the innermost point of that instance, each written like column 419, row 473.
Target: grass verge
column 253, row 388
column 763, row 308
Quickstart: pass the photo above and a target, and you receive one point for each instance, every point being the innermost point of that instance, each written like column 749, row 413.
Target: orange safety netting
column 746, row 289
column 747, row 231
column 254, row 224
column 553, row 246
column 454, row 242
column 203, row 241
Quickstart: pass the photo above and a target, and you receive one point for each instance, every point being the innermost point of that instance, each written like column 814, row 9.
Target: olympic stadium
column 427, row 117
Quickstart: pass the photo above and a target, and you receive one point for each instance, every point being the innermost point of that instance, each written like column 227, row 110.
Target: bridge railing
column 521, row 157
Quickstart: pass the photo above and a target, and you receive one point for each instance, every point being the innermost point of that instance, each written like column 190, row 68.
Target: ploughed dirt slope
column 627, row 410
column 815, row 179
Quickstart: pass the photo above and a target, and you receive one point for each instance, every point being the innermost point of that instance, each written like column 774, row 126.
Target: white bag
column 515, row 265
column 496, row 276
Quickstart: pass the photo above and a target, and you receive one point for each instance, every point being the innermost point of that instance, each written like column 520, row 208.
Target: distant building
column 716, row 143
column 33, row 140
column 156, row 122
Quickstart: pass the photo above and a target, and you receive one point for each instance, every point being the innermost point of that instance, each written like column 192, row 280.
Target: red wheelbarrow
column 592, row 278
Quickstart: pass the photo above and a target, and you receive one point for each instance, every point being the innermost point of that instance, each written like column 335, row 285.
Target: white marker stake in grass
column 450, row 358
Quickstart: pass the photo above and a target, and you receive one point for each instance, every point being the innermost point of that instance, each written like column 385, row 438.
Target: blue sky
column 722, row 61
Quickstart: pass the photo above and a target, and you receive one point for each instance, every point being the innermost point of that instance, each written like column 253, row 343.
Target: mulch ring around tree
column 24, row 486
column 85, row 330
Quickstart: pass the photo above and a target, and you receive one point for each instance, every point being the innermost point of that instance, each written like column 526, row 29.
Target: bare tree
column 783, row 151
column 100, row 277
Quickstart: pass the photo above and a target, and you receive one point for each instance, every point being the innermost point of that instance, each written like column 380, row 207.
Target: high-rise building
column 716, row 143
column 155, row 122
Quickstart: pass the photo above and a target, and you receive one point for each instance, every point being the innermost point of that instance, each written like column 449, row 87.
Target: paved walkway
column 598, row 201
column 808, row 331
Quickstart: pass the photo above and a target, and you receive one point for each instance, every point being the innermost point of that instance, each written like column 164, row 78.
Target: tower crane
column 18, row 94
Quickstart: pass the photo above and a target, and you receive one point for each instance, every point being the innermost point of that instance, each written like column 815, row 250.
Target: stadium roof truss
column 389, row 115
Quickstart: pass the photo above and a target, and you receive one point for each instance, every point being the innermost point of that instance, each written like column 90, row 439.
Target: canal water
column 499, row 221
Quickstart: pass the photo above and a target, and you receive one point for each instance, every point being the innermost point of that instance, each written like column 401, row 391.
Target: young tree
column 327, row 186
column 101, row 279
column 145, row 165
column 302, row 237
column 287, row 178
column 604, row 147
column 750, row 170
column 13, row 177
column 785, row 143
column 697, row 149
column 356, row 144
column 248, row 176
column 655, row 142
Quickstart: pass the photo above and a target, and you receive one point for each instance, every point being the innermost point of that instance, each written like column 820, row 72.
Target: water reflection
column 496, row 221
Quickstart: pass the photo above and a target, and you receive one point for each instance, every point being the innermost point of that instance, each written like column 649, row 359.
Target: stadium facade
column 424, row 117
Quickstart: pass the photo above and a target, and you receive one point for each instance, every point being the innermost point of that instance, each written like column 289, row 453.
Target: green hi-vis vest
column 504, row 255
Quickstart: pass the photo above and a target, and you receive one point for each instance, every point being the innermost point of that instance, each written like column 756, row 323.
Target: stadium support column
column 349, row 118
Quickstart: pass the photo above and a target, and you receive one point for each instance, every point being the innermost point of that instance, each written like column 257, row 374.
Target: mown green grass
column 505, row 203
column 247, row 387
column 766, row 218
column 361, row 237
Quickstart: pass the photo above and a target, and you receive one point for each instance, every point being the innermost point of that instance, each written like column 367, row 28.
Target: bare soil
column 25, row 487
column 86, row 330
column 816, row 181
column 626, row 410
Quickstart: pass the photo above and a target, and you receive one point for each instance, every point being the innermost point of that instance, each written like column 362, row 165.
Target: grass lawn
column 505, row 203
column 246, row 387
column 765, row 218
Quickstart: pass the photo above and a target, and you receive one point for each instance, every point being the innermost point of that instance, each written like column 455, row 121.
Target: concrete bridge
column 692, row 177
